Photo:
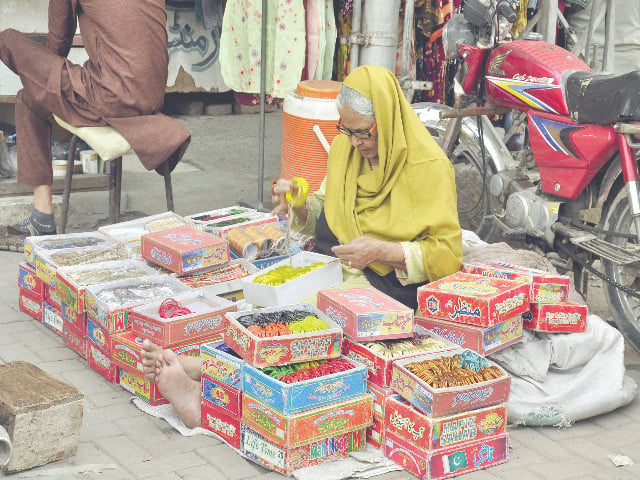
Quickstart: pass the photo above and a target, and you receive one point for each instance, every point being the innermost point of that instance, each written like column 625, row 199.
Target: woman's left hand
column 360, row 252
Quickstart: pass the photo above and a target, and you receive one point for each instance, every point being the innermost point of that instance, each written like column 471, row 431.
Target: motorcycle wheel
column 474, row 207
column 625, row 308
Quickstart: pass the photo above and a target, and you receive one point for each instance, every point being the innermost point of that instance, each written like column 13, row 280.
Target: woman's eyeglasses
column 357, row 133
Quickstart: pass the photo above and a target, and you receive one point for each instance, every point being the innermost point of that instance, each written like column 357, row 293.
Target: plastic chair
column 110, row 147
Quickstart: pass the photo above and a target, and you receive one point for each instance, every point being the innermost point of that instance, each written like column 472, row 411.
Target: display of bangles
column 284, row 273
column 454, row 371
column 227, row 273
column 309, row 323
column 103, row 275
column 78, row 256
column 405, row 347
column 298, row 372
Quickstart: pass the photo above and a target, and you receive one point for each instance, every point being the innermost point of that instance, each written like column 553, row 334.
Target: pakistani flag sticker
column 454, row 462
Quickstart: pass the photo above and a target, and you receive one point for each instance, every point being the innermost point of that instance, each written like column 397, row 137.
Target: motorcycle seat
column 603, row 99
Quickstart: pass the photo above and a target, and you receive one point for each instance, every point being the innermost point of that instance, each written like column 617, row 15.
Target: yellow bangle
column 303, row 192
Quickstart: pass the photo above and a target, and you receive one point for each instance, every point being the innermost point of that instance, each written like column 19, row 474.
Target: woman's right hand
column 278, row 193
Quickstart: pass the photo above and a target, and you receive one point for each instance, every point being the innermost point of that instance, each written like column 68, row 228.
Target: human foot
column 179, row 389
column 151, row 359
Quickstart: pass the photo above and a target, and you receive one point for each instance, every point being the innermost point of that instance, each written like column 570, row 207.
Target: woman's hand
column 362, row 251
column 278, row 198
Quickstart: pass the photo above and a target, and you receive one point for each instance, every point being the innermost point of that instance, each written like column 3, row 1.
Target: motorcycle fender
column 611, row 175
column 497, row 151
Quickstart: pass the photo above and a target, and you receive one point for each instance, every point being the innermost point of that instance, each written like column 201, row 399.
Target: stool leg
column 168, row 188
column 66, row 192
column 115, row 183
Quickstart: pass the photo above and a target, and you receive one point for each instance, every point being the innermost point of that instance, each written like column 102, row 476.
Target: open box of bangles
column 180, row 318
column 109, row 303
column 45, row 243
column 448, row 382
column 295, row 388
column 281, row 335
column 378, row 356
column 292, row 279
column 220, row 221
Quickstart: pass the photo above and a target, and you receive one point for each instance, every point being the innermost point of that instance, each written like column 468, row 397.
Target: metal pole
column 549, row 21
column 263, row 78
column 356, row 30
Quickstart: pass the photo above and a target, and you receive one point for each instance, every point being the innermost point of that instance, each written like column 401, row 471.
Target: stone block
column 218, row 109
column 42, row 414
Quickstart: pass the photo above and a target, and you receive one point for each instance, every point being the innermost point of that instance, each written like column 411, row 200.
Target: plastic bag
column 8, row 158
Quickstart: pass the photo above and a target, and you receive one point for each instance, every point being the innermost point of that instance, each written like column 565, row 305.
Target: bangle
column 303, row 192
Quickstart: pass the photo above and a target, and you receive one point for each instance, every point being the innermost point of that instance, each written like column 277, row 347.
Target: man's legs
column 177, row 379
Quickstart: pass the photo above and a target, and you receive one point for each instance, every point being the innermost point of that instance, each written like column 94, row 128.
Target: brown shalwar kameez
column 121, row 85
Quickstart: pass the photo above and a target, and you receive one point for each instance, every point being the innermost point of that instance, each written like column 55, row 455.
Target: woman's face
column 355, row 122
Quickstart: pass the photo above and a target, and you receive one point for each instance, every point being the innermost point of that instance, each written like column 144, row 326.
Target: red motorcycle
column 572, row 190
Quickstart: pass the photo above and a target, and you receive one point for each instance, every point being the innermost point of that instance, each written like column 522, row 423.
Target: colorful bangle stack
column 299, row 372
column 454, row 371
column 284, row 273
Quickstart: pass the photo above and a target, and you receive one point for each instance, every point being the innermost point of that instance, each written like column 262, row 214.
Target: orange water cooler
column 303, row 153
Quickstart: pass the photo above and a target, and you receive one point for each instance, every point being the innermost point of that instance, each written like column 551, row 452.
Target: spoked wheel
column 624, row 306
column 472, row 172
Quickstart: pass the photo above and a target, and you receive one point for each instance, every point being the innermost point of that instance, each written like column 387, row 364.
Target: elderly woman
column 387, row 207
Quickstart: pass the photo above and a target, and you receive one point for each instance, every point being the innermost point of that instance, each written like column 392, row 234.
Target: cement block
column 43, row 415
column 218, row 109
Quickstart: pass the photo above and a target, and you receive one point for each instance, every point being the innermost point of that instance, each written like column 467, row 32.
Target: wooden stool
column 43, row 415
column 110, row 147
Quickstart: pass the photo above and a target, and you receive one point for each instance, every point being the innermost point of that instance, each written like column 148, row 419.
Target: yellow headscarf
column 410, row 196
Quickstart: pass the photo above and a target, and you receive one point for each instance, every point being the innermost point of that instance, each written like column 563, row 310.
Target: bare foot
column 184, row 393
column 151, row 360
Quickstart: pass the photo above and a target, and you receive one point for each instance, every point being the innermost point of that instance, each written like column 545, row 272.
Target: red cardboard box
column 225, row 425
column 565, row 317
column 101, row 363
column 98, row 336
column 30, row 303
column 136, row 383
column 375, row 433
column 473, row 299
column 380, row 395
column 379, row 367
column 224, row 396
column 184, row 250
column 73, row 339
column 304, row 427
column 288, row 459
column 367, row 314
column 205, row 321
column 429, row 433
column 283, row 349
column 484, row 340
column 28, row 279
column 447, row 462
column 52, row 297
column 439, row 402
column 545, row 287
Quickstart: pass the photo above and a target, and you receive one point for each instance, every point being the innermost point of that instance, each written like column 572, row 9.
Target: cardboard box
column 30, row 303
column 135, row 382
column 288, row 459
column 47, row 262
column 304, row 427
column 42, row 243
column 126, row 349
column 375, row 433
column 473, row 299
column 296, row 397
column 28, row 280
column 429, row 433
column 439, row 402
column 326, row 276
column 567, row 317
column 283, row 349
column 545, row 287
column 51, row 297
column 73, row 339
column 367, row 314
column 220, row 221
column 380, row 395
column 262, row 263
column 109, row 303
column 216, row 281
column 222, row 395
column 101, row 363
column 183, row 249
column 379, row 367
column 484, row 340
column 447, row 462
column 220, row 365
column 72, row 281
column 77, row 320
column 98, row 336
column 51, row 317
column 205, row 321
column 222, row 423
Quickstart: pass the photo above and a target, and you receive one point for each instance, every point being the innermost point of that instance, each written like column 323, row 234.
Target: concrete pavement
column 118, row 441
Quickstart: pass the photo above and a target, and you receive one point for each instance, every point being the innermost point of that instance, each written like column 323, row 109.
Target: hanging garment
column 326, row 39
column 241, row 43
